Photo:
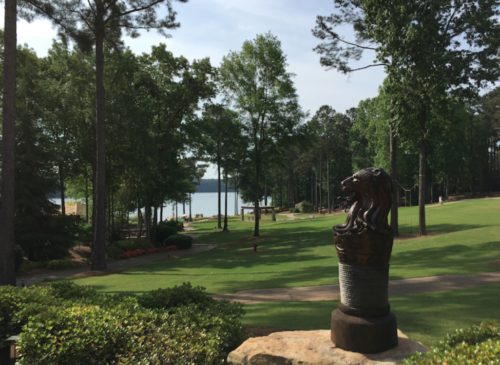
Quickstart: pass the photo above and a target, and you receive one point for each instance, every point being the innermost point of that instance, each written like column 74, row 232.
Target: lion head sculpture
column 370, row 204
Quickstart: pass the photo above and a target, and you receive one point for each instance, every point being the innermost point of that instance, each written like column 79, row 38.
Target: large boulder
column 314, row 348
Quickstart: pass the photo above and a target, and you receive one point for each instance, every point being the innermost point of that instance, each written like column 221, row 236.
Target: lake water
column 202, row 203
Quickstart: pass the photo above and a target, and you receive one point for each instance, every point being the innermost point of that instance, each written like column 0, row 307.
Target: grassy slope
column 426, row 318
column 301, row 252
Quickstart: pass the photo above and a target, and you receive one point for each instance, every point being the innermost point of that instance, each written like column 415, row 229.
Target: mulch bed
column 406, row 237
column 259, row 332
column 496, row 262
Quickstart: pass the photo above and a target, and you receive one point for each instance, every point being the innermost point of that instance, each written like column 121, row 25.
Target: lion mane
column 370, row 204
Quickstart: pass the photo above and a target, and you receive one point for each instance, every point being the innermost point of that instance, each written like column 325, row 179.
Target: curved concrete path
column 119, row 264
column 332, row 292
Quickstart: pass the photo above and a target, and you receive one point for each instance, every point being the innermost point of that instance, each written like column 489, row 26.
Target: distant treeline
column 210, row 186
column 205, row 186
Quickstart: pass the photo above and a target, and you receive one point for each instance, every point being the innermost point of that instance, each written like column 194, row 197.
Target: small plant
column 164, row 231
column 59, row 264
column 180, row 240
column 306, row 207
column 475, row 345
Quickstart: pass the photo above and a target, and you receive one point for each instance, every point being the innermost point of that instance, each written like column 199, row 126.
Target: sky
column 213, row 28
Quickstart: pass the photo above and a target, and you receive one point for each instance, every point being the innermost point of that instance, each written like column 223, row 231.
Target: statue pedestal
column 368, row 335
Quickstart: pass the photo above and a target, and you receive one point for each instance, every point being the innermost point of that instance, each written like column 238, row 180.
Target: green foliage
column 306, row 207
column 119, row 247
column 180, row 240
column 69, row 324
column 178, row 225
column 166, row 229
column 169, row 298
column 59, row 264
column 18, row 257
column 475, row 345
column 294, row 210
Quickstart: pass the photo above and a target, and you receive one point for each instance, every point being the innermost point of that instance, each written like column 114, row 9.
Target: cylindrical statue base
column 366, row 335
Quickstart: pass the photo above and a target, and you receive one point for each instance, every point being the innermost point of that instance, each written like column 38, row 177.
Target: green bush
column 294, row 210
column 70, row 324
column 30, row 265
column 18, row 257
column 59, row 264
column 164, row 231
column 475, row 345
column 180, row 240
column 306, row 207
column 117, row 248
column 178, row 225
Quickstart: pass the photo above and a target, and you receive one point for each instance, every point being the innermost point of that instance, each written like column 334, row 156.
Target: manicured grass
column 426, row 318
column 301, row 252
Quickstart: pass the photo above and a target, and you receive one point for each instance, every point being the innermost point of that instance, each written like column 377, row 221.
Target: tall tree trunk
column 471, row 158
column 61, row 186
column 295, row 199
column 328, row 177
column 422, row 229
column 316, row 191
column 190, row 216
column 257, row 173
column 394, row 174
column 152, row 239
column 7, row 199
column 225, row 203
column 86, row 199
column 320, row 185
column 446, row 186
column 432, row 186
column 94, row 203
column 183, row 207
column 265, row 192
column 161, row 209
column 147, row 218
column 99, row 245
column 219, row 225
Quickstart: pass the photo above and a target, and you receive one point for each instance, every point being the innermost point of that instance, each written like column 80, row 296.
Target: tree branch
column 133, row 10
column 335, row 36
column 362, row 68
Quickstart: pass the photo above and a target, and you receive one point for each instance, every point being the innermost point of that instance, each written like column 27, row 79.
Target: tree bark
column 320, row 185
column 265, row 192
column 394, row 174
column 422, row 229
column 219, row 225
column 471, row 158
column 99, row 245
column 86, row 199
column 7, row 202
column 190, row 216
column 152, row 239
column 257, row 173
column 225, row 204
column 446, row 186
column 328, row 177
column 61, row 186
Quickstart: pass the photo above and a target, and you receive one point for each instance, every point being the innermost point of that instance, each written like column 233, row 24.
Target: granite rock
column 314, row 348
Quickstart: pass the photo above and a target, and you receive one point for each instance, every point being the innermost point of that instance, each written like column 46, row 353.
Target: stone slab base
column 314, row 348
column 368, row 335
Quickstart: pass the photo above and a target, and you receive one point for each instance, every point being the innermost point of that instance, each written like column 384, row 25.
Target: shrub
column 164, row 231
column 59, row 264
column 18, row 257
column 120, row 247
column 179, row 226
column 180, row 240
column 294, row 210
column 477, row 344
column 30, row 265
column 70, row 324
column 306, row 207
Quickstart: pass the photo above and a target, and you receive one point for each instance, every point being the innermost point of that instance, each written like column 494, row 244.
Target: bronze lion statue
column 370, row 203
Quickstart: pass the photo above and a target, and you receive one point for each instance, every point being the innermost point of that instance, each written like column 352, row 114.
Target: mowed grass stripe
column 301, row 252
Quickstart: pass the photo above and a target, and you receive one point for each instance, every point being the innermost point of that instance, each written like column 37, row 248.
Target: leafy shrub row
column 294, row 210
column 475, row 345
column 180, row 240
column 119, row 247
column 59, row 264
column 140, row 252
column 69, row 324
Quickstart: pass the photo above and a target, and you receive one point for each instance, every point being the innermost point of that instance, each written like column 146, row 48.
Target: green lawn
column 301, row 252
column 426, row 318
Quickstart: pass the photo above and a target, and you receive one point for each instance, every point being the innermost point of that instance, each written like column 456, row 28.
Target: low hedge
column 178, row 225
column 180, row 240
column 59, row 264
column 120, row 247
column 70, row 324
column 479, row 344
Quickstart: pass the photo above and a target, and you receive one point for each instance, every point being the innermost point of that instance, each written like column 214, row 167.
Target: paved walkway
column 119, row 264
column 332, row 292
